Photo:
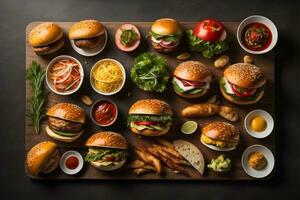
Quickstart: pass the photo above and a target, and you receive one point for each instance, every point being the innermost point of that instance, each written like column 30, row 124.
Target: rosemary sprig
column 37, row 102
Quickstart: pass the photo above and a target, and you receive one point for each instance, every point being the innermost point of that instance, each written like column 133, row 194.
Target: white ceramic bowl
column 122, row 69
column 89, row 52
column 268, row 155
column 266, row 116
column 263, row 20
column 49, row 81
column 64, row 158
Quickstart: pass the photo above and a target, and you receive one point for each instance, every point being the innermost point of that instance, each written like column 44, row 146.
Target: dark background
column 15, row 15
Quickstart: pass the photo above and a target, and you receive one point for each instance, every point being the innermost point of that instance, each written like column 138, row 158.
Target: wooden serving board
column 130, row 93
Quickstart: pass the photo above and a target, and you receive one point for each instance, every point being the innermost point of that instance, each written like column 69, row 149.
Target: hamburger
column 46, row 38
column 220, row 134
column 107, row 150
column 150, row 117
column 87, row 34
column 65, row 122
column 43, row 158
column 243, row 83
column 191, row 79
column 165, row 35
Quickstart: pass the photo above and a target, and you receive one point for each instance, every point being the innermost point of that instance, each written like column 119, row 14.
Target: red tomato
column 146, row 123
column 209, row 30
column 244, row 93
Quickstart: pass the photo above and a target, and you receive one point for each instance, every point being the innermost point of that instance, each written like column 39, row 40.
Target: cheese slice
column 184, row 88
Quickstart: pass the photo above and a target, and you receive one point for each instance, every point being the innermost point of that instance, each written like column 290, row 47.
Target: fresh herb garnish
column 36, row 112
column 149, row 72
column 128, row 37
column 208, row 49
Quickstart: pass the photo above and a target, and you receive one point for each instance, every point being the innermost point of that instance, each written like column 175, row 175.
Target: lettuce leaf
column 237, row 98
column 149, row 118
column 149, row 72
column 178, row 89
column 208, row 49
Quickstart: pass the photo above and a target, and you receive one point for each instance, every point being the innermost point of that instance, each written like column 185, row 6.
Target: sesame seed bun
column 245, row 75
column 241, row 102
column 107, row 139
column 222, row 131
column 42, row 158
column 166, row 26
column 67, row 111
column 151, row 107
column 192, row 71
column 44, row 34
column 86, row 29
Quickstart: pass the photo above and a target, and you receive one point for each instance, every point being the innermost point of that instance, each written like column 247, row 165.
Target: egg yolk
column 258, row 124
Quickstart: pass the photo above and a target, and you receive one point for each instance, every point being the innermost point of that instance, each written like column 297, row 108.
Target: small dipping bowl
column 264, row 114
column 108, row 106
column 65, row 157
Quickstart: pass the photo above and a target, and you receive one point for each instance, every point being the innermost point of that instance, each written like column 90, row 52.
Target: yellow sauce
column 258, row 124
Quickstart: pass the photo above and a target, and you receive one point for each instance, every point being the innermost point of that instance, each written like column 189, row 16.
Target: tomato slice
column 145, row 123
column 110, row 159
column 209, row 30
column 245, row 93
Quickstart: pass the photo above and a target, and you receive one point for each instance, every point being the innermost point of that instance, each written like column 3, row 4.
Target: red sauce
column 256, row 36
column 104, row 113
column 72, row 162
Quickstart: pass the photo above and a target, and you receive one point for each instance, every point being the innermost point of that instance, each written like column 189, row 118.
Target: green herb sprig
column 37, row 102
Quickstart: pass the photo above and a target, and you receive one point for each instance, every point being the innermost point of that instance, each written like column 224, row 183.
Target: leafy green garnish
column 37, row 102
column 99, row 153
column 149, row 72
column 168, row 38
column 128, row 37
column 208, row 49
column 155, row 35
column 237, row 98
column 149, row 118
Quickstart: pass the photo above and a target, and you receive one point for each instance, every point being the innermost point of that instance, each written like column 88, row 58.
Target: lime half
column 189, row 127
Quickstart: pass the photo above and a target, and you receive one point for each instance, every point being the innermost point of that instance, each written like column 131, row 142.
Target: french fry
column 140, row 171
column 164, row 151
column 150, row 159
column 137, row 164
column 165, row 143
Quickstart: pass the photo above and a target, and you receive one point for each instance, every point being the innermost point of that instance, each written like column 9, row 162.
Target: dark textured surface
column 15, row 15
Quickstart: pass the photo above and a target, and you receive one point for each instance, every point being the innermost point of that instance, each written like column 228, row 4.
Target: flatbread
column 191, row 153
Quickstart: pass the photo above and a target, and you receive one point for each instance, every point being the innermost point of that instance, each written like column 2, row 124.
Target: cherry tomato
column 209, row 30
column 146, row 123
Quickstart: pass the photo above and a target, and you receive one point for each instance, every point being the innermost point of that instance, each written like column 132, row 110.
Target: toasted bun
column 241, row 102
column 107, row 139
column 151, row 107
column 38, row 155
column 245, row 75
column 51, row 48
column 109, row 167
column 191, row 96
column 61, row 138
column 222, row 131
column 148, row 132
column 44, row 34
column 166, row 26
column 86, row 29
column 67, row 111
column 192, row 71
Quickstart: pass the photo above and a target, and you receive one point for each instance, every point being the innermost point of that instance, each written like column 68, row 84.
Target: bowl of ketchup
column 257, row 34
column 104, row 113
column 71, row 162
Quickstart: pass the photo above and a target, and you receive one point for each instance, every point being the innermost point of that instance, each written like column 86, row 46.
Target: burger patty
column 90, row 43
column 64, row 125
column 50, row 48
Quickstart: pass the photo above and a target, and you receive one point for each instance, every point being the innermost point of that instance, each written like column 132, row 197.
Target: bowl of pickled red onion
column 64, row 75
